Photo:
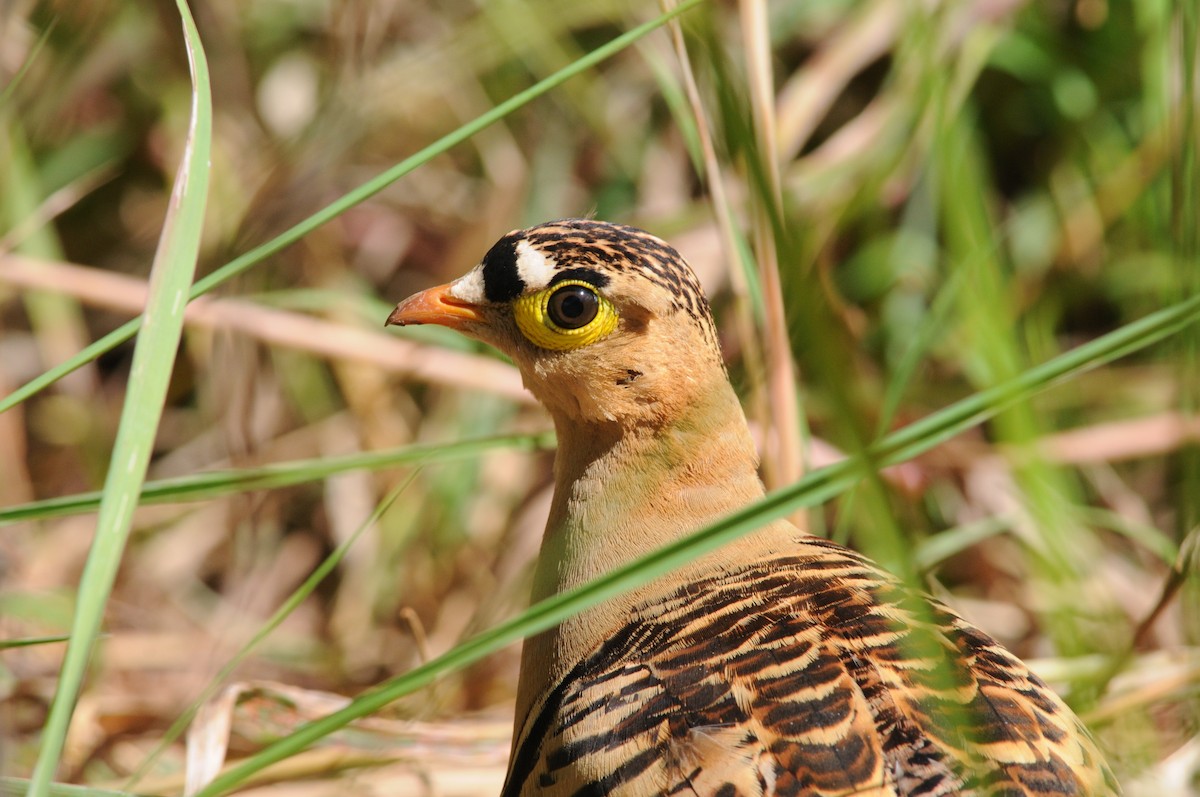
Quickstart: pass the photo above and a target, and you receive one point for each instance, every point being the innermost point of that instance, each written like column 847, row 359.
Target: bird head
column 606, row 323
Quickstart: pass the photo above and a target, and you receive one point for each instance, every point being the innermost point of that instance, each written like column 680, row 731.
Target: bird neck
column 622, row 491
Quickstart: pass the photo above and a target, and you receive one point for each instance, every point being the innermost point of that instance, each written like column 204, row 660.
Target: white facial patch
column 468, row 287
column 534, row 267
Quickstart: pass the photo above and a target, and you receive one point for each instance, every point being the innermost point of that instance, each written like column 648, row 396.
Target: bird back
column 812, row 673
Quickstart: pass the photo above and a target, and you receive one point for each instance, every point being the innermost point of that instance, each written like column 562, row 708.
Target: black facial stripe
column 501, row 280
column 590, row 276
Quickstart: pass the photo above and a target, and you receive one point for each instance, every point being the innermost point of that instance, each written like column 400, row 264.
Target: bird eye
column 568, row 315
column 572, row 306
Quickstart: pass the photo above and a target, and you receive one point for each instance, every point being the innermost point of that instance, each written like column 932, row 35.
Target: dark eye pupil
column 573, row 307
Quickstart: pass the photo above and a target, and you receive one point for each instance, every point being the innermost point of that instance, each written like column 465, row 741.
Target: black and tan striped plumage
column 782, row 664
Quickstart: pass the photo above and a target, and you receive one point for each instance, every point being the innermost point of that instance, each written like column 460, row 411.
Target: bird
column 781, row 663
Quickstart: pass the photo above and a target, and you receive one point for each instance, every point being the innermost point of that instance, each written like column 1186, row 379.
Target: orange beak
column 435, row 306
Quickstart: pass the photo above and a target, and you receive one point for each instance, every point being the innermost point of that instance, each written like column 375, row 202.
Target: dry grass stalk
column 276, row 327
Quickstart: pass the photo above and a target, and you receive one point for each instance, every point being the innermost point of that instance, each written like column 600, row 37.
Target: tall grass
column 153, row 358
column 978, row 221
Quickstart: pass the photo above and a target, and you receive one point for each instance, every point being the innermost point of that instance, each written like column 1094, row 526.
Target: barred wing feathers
column 809, row 674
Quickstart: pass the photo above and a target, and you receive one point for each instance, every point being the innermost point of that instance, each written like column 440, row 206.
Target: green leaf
column 18, row 786
column 153, row 357
column 213, row 484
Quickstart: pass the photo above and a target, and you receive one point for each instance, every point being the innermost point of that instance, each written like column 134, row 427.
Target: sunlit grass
column 985, row 231
column 153, row 361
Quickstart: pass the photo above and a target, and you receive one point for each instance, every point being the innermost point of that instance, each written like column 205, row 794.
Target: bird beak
column 435, row 306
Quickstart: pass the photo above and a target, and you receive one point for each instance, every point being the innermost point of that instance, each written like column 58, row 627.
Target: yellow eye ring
column 569, row 301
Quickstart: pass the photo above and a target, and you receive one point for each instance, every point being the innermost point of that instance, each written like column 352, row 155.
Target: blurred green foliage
column 969, row 189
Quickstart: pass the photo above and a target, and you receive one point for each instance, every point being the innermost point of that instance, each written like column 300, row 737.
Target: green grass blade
column 933, row 551
column 171, row 274
column 13, row 787
column 1185, row 246
column 817, row 486
column 28, row 642
column 360, row 194
column 913, row 439
column 6, row 94
column 293, row 601
column 213, row 484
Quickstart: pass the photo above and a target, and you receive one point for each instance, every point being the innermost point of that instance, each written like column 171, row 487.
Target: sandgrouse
column 781, row 664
